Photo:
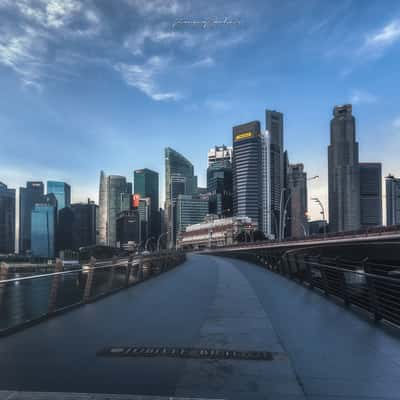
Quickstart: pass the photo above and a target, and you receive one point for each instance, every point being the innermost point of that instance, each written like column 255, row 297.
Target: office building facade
column 219, row 153
column 28, row 197
column 146, row 184
column 128, row 229
column 77, row 226
column 296, row 213
column 343, row 172
column 190, row 209
column 7, row 219
column 392, row 200
column 113, row 192
column 179, row 179
column 220, row 187
column 62, row 192
column 246, row 171
column 43, row 227
column 370, row 194
column 274, row 127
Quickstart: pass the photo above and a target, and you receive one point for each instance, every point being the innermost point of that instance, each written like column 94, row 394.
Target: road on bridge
column 324, row 350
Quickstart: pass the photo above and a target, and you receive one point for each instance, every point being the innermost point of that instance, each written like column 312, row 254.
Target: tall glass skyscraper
column 274, row 128
column 343, row 172
column 146, row 185
column 392, row 200
column 62, row 192
column 370, row 194
column 43, row 227
column 28, row 197
column 247, row 171
column 112, row 200
column 7, row 219
column 179, row 179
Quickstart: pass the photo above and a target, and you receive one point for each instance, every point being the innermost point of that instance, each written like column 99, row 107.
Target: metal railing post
column 309, row 275
column 373, row 298
column 296, row 262
column 324, row 277
column 55, row 285
column 112, row 273
column 3, row 277
column 128, row 271
column 89, row 280
column 343, row 283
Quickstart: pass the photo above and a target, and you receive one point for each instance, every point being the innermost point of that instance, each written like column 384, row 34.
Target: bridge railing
column 351, row 282
column 30, row 299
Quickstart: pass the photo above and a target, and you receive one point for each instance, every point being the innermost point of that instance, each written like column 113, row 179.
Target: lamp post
column 159, row 239
column 282, row 216
column 318, row 201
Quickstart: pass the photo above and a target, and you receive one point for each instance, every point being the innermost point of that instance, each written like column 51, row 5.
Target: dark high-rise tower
column 392, row 200
column 274, row 126
column 246, row 171
column 62, row 191
column 219, row 181
column 179, row 179
column 7, row 219
column 145, row 183
column 344, row 172
column 297, row 190
column 28, row 197
column 370, row 194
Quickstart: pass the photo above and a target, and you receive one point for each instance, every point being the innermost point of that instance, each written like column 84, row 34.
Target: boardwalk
column 323, row 351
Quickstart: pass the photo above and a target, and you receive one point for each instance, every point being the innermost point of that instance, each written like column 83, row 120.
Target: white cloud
column 204, row 62
column 143, row 77
column 375, row 43
column 157, row 7
column 361, row 96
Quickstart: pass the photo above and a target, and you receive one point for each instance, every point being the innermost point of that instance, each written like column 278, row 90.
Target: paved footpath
column 321, row 350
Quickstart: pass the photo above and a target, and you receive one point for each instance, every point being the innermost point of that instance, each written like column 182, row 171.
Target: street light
column 318, row 201
column 282, row 216
column 159, row 239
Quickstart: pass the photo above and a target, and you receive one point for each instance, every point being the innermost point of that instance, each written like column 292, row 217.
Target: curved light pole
column 318, row 201
column 159, row 240
column 147, row 242
column 282, row 222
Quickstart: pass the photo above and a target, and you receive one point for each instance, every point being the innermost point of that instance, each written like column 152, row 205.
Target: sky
column 100, row 84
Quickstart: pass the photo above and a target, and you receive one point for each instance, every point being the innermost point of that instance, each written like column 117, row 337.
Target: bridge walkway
column 320, row 349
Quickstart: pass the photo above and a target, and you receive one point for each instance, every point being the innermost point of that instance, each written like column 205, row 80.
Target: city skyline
column 136, row 95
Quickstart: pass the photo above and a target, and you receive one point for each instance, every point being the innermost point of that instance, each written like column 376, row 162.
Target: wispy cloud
column 361, row 96
column 143, row 77
column 375, row 43
column 204, row 62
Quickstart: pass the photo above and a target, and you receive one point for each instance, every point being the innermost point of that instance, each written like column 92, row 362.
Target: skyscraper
column 219, row 153
column 268, row 219
column 62, row 192
column 43, row 226
column 370, row 194
column 246, row 171
column 297, row 209
column 179, row 179
column 392, row 200
column 344, row 172
column 77, row 226
column 7, row 219
column 112, row 200
column 274, row 127
column 146, row 185
column 28, row 197
column 219, row 181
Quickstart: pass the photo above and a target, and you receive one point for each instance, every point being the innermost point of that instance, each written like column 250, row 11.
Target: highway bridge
column 243, row 323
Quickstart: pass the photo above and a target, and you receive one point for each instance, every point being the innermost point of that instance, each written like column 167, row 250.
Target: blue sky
column 90, row 85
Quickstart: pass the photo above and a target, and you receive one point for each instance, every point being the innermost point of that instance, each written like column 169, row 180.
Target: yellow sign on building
column 244, row 135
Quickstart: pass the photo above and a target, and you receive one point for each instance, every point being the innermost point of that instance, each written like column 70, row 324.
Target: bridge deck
column 324, row 351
